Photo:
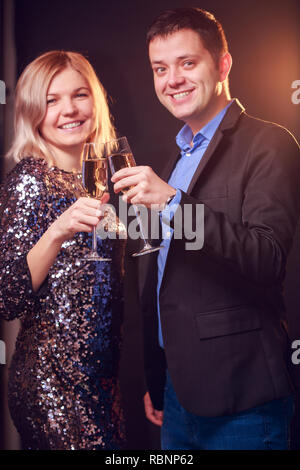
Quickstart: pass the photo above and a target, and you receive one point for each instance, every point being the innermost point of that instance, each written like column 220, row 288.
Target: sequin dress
column 63, row 383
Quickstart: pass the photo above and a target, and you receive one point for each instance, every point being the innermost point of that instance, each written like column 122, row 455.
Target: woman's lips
column 71, row 125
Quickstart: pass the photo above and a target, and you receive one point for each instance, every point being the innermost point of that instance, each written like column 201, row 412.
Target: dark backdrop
column 265, row 43
column 1, row 151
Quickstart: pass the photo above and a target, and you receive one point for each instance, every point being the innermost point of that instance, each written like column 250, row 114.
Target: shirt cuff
column 175, row 200
column 169, row 210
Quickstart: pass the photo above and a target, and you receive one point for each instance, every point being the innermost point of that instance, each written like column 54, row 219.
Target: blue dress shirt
column 192, row 150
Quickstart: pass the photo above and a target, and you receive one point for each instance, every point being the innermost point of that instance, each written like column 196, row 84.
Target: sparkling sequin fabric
column 63, row 386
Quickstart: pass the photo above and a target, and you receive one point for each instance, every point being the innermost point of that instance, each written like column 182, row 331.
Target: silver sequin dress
column 63, row 385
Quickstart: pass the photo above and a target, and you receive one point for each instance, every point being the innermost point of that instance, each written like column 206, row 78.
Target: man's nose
column 175, row 78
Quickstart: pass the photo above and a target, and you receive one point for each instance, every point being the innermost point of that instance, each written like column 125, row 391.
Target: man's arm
column 256, row 247
column 155, row 416
column 147, row 188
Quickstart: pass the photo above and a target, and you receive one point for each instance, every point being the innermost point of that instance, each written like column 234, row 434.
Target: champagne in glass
column 121, row 160
column 120, row 156
column 94, row 180
column 93, row 177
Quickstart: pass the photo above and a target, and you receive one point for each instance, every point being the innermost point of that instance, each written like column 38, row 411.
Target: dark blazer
column 222, row 310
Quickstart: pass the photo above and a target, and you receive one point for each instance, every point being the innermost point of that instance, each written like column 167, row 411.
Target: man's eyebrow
column 187, row 56
column 181, row 57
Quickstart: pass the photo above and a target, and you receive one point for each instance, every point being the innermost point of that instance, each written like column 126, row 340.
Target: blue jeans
column 264, row 427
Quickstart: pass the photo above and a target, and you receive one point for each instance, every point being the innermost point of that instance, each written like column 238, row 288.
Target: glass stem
column 94, row 240
column 137, row 214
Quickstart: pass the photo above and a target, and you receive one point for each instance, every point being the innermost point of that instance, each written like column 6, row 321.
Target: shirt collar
column 185, row 135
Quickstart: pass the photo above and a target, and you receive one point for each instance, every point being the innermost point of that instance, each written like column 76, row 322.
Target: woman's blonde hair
column 31, row 103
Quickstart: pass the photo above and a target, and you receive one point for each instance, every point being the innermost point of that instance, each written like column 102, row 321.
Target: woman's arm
column 80, row 217
column 28, row 245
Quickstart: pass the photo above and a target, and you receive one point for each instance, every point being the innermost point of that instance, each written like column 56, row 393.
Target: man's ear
column 225, row 64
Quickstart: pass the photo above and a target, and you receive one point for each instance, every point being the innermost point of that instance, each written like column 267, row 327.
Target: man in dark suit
column 216, row 343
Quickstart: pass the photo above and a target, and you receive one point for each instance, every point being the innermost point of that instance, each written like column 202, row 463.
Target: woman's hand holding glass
column 82, row 216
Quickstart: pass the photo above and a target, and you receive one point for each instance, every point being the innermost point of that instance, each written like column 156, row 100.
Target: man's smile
column 180, row 95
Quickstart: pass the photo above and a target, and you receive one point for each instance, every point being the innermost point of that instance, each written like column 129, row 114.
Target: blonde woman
column 63, row 387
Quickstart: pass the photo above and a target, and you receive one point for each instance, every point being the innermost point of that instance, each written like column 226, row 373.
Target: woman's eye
column 51, row 101
column 81, row 95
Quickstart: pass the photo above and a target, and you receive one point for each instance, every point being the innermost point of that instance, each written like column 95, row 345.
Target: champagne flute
column 120, row 156
column 94, row 180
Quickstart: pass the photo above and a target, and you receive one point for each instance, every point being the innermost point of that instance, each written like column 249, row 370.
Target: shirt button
column 168, row 235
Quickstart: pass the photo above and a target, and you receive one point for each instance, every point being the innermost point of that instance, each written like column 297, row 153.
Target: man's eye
column 188, row 64
column 160, row 70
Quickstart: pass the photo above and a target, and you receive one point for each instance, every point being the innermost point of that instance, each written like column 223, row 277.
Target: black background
column 264, row 40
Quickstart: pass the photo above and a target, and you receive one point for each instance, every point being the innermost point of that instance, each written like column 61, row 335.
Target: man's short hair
column 201, row 21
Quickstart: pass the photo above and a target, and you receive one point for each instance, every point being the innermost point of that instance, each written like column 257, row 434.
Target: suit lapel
column 205, row 159
column 229, row 121
column 166, row 173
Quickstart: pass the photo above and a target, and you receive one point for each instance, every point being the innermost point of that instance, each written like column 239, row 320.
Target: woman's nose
column 69, row 107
